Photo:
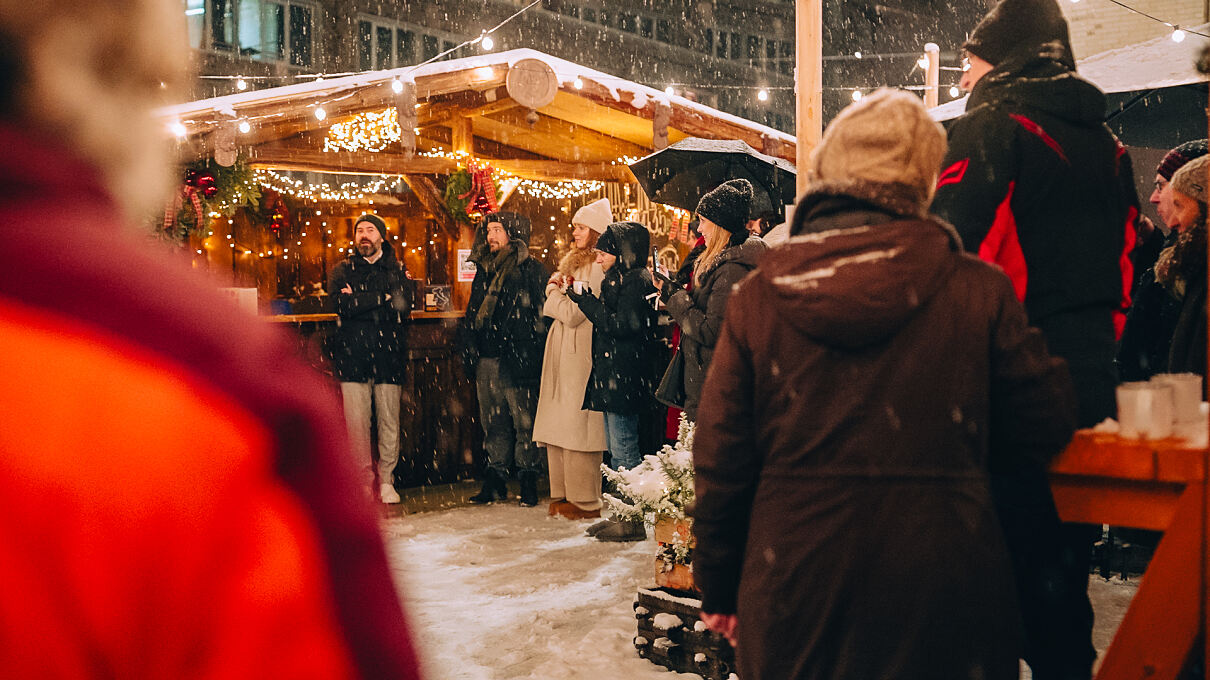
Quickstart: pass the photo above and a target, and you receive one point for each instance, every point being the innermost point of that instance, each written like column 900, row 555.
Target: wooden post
column 808, row 80
column 932, row 75
column 659, row 126
column 462, row 135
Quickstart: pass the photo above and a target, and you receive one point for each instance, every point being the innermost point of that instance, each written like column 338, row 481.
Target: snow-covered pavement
column 504, row 592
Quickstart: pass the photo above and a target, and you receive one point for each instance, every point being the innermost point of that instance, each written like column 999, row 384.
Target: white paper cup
column 1186, row 395
column 1163, row 411
column 1134, row 409
column 578, row 286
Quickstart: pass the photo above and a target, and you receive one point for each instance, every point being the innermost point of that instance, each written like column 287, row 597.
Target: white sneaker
column 388, row 494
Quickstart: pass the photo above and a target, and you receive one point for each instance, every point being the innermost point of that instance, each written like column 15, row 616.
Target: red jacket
column 177, row 497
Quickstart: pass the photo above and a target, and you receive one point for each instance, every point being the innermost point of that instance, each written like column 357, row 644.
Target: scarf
column 501, row 265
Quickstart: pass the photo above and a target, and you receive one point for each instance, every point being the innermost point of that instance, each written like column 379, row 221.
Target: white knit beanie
column 596, row 215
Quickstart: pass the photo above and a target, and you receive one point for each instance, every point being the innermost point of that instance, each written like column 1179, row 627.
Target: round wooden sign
column 532, row 83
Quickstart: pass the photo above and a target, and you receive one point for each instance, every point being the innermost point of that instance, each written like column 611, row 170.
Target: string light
column 241, row 84
column 954, row 92
column 178, row 129
column 1177, row 34
column 487, row 42
column 763, row 95
column 245, row 127
column 370, row 131
column 320, row 114
column 856, row 95
column 346, row 192
column 578, row 83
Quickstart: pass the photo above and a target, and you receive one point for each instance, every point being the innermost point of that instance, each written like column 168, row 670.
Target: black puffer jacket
column 370, row 341
column 516, row 334
column 624, row 325
column 700, row 313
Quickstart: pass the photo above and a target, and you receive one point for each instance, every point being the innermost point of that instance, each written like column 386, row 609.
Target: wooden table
column 1161, row 485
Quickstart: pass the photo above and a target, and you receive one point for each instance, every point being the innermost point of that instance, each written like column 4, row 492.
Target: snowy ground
column 504, row 592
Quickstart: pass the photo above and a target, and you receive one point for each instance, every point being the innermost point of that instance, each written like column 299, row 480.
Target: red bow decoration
column 482, row 196
column 178, row 201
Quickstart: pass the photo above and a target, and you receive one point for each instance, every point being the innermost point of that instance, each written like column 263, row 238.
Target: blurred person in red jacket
column 176, row 492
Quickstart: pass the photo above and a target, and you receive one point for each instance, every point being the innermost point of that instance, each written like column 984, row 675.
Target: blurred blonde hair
column 89, row 73
column 716, row 243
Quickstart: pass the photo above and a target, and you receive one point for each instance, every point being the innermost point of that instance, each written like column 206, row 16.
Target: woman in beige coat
column 574, row 438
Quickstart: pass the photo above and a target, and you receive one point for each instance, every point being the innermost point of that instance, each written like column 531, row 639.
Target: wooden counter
column 1160, row 485
column 440, row 439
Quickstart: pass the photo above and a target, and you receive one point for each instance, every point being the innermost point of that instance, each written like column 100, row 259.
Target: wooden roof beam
column 433, row 201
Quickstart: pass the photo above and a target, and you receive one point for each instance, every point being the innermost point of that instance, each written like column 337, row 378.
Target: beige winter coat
column 565, row 368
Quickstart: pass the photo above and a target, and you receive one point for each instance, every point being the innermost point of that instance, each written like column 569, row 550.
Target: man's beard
column 366, row 249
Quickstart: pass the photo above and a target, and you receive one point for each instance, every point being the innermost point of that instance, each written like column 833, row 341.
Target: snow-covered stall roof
column 625, row 110
column 1151, row 65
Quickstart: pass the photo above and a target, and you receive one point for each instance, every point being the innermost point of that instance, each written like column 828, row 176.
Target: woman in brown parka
column 868, row 381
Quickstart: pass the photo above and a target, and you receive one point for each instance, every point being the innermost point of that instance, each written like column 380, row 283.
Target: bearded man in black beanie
column 372, row 295
column 1035, row 182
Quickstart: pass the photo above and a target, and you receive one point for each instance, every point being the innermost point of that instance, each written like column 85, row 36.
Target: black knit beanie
column 728, row 206
column 374, row 220
column 1178, row 157
column 518, row 227
column 1015, row 23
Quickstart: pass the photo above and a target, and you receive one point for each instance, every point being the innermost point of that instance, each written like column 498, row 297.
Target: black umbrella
column 684, row 172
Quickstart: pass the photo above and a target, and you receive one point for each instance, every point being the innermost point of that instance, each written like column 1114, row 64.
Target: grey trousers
column 357, row 397
column 506, row 411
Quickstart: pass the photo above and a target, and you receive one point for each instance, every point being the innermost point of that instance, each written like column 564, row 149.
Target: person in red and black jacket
column 1035, row 182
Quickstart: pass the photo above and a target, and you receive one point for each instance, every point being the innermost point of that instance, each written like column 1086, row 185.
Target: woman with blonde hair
column 574, row 437
column 731, row 253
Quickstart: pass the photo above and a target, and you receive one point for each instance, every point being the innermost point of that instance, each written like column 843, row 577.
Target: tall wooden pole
column 808, row 81
column 932, row 75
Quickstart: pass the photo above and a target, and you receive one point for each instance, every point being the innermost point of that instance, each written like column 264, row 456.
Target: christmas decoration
column 656, row 492
column 209, row 190
column 482, row 198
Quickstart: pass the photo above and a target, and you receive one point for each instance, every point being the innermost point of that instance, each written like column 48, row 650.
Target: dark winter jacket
column 1147, row 338
column 370, row 342
column 842, row 456
column 516, row 333
column 624, row 326
column 699, row 312
column 1188, row 351
column 1035, row 182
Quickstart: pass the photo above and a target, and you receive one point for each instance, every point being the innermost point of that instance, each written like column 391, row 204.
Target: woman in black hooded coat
column 624, row 324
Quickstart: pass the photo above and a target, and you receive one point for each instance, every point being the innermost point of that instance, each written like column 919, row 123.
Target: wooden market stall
column 295, row 165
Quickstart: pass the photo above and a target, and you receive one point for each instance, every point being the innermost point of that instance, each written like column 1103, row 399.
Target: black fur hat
column 728, row 206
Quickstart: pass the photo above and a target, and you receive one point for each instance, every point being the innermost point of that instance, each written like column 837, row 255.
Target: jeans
column 507, row 413
column 622, row 440
column 357, row 398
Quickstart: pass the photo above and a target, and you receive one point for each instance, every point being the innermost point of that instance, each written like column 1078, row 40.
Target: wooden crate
column 666, row 527
column 671, row 634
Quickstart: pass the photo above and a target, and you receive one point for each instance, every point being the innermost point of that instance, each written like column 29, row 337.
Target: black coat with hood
column 700, row 312
column 516, row 332
column 867, row 381
column 1036, row 183
column 370, row 342
column 624, row 326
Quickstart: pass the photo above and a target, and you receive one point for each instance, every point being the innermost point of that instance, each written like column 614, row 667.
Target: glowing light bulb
column 856, row 95
column 669, row 91
column 1178, row 35
column 923, row 62
column 857, row 54
column 178, row 129
column 954, row 92
column 763, row 95
column 320, row 114
column 488, row 43
column 578, row 83
column 241, row 84
column 245, row 127
column 397, row 86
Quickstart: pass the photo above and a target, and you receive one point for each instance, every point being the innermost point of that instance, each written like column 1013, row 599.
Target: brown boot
column 555, row 504
column 573, row 511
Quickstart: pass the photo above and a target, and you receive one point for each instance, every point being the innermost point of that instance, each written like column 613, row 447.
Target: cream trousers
column 576, row 476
